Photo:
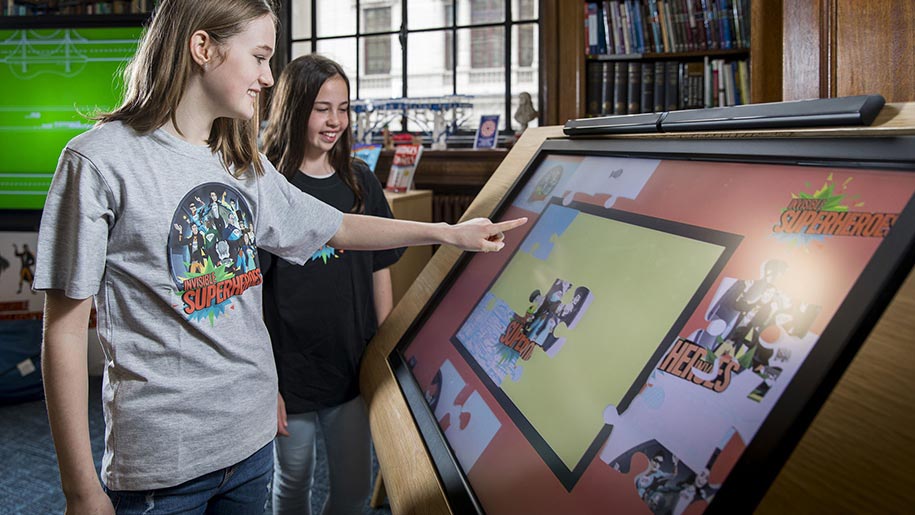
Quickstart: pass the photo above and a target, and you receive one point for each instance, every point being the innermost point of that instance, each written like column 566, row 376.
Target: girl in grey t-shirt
column 190, row 386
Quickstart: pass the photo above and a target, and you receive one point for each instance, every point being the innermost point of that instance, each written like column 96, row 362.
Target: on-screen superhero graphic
column 534, row 328
column 212, row 253
column 752, row 325
column 822, row 213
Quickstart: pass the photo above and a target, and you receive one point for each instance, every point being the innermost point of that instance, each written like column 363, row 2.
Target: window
column 377, row 49
column 442, row 47
column 487, row 44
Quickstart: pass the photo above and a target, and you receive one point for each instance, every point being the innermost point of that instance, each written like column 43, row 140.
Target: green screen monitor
column 51, row 81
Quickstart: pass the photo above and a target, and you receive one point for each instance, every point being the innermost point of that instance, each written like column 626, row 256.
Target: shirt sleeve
column 377, row 205
column 75, row 223
column 291, row 224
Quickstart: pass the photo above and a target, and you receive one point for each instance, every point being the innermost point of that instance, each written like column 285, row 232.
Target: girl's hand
column 281, row 423
column 481, row 235
column 95, row 503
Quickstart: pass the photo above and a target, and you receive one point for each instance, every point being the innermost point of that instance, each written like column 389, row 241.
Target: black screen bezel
column 783, row 428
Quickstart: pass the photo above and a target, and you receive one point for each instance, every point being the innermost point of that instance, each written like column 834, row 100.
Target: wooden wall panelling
column 567, row 63
column 849, row 47
column 875, row 48
column 801, row 47
column 766, row 50
column 549, row 62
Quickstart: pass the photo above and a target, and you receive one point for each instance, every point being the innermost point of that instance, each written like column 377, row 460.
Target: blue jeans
column 241, row 489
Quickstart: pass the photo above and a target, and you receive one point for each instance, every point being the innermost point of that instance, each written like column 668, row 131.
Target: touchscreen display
column 626, row 346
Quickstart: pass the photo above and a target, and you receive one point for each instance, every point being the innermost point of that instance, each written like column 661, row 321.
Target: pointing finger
column 509, row 224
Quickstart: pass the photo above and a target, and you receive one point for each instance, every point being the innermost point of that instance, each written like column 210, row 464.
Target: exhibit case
column 660, row 334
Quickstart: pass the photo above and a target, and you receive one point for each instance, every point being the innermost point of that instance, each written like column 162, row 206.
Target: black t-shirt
column 321, row 315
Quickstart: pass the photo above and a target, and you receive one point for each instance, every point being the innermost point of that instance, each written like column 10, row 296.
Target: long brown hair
column 159, row 72
column 287, row 127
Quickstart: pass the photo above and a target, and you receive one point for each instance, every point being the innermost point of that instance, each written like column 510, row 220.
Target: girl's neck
column 193, row 120
column 316, row 163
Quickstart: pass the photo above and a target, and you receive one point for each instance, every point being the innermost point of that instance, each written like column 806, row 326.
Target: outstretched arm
column 361, row 232
column 64, row 368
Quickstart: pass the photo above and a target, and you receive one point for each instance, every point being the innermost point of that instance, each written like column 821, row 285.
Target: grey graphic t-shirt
column 166, row 240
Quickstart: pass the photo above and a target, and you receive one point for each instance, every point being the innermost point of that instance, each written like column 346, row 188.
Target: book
column 593, row 88
column 672, row 88
column 591, row 33
column 673, row 13
column 488, row 130
column 601, row 31
column 660, row 81
column 403, row 167
column 605, row 16
column 626, row 25
column 665, row 36
column 730, row 88
column 657, row 43
column 695, row 84
column 722, row 100
column 724, row 22
column 743, row 80
column 621, row 87
column 368, row 152
column 619, row 45
column 606, row 97
column 634, row 103
column 594, row 81
column 700, row 33
column 707, row 83
column 647, row 101
column 635, row 15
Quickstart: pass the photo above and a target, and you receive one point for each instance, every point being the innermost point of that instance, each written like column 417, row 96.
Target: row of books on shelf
column 632, row 87
column 76, row 7
column 620, row 27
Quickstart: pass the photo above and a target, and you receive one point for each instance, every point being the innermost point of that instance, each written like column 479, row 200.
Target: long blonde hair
column 159, row 72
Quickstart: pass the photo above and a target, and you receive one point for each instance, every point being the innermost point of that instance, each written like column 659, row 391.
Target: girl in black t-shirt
column 322, row 314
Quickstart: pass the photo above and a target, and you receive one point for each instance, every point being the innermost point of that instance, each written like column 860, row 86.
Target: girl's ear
column 202, row 48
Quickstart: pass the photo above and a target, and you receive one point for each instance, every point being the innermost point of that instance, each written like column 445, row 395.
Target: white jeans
column 348, row 442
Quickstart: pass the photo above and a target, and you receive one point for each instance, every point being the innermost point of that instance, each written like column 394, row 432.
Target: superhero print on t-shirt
column 212, row 253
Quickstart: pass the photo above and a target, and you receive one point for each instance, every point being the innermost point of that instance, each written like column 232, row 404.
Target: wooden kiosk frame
column 820, row 465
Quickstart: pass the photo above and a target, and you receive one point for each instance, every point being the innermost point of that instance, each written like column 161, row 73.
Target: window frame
column 403, row 36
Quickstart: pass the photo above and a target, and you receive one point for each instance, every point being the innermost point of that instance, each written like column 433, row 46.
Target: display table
column 854, row 457
column 413, row 205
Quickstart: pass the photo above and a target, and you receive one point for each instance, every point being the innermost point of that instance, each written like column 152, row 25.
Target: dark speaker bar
column 824, row 112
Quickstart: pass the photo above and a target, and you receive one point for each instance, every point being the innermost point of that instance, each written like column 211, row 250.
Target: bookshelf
column 17, row 9
column 644, row 56
column 566, row 59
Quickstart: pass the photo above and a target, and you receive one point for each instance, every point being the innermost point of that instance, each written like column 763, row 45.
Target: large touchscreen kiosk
column 626, row 347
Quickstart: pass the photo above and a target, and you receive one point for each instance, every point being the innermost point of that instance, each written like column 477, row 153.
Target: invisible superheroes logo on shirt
column 212, row 252
column 823, row 214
